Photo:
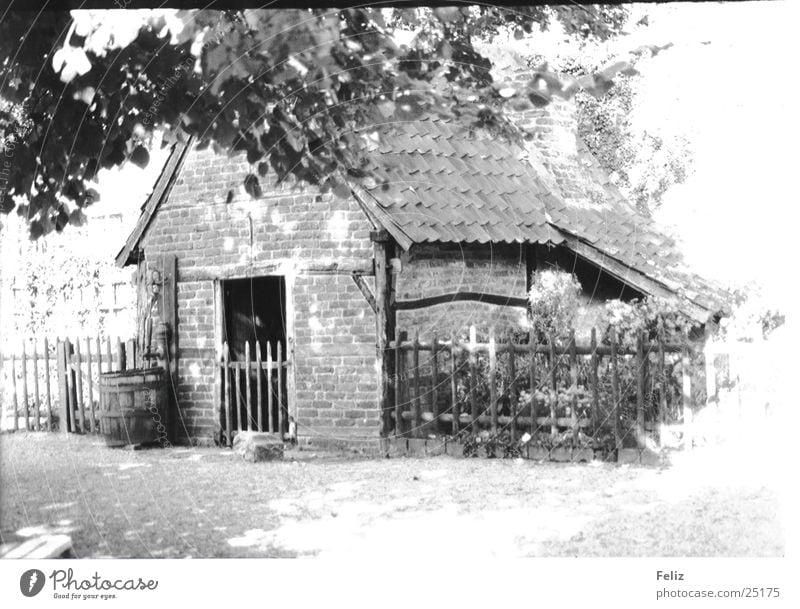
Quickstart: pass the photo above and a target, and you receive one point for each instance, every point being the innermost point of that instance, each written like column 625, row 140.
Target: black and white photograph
column 394, row 283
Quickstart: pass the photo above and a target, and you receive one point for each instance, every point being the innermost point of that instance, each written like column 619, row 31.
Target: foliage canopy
column 293, row 89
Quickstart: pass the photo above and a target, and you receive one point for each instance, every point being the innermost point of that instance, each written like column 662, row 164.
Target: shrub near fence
column 601, row 395
column 54, row 384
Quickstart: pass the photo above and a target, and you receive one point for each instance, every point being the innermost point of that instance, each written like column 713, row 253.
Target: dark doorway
column 254, row 313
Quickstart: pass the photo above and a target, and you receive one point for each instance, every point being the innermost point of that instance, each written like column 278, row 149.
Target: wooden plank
column 512, row 370
column 473, row 377
column 493, row 380
column 71, row 396
column 453, row 391
column 99, row 372
column 398, row 385
column 47, row 384
column 553, row 385
column 259, row 374
column 640, row 389
column 14, row 390
column 595, row 383
column 131, row 360
column 573, row 377
column 79, row 386
column 237, row 400
column 382, row 327
column 532, row 382
column 63, row 391
column 25, row 406
column 169, row 311
column 37, row 405
column 120, row 356
column 40, row 547
column 435, row 378
column 109, row 360
column 280, row 390
column 270, row 418
column 89, row 383
column 247, row 386
column 417, row 405
column 545, row 348
column 615, row 389
column 226, row 375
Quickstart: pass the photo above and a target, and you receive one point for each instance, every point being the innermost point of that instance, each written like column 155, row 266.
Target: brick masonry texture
column 315, row 240
column 442, row 269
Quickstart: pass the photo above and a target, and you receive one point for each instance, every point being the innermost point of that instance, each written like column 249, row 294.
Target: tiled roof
column 449, row 184
column 445, row 184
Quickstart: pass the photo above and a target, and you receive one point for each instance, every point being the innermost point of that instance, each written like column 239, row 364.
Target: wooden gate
column 254, row 389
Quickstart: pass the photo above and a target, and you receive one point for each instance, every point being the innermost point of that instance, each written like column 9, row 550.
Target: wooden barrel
column 133, row 406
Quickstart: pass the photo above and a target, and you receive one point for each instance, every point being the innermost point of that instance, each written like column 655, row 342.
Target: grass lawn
column 207, row 503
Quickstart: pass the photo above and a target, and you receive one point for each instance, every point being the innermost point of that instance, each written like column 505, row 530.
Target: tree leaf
column 252, row 186
column 140, row 156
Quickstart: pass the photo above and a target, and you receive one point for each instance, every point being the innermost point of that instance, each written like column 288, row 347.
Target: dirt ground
column 196, row 502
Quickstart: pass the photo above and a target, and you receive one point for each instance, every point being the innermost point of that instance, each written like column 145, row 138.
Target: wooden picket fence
column 254, row 390
column 450, row 367
column 54, row 384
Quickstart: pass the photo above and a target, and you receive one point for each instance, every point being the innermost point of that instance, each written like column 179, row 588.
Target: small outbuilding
column 282, row 310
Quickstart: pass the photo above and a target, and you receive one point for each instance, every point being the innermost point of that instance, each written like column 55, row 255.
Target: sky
column 727, row 83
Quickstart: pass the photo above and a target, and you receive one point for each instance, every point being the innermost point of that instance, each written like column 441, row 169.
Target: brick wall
column 316, row 241
column 441, row 269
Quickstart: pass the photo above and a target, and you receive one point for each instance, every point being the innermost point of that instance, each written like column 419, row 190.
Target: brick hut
column 324, row 283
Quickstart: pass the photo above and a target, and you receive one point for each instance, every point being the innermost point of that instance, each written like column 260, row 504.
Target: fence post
column 615, row 389
column 72, row 397
column 493, row 379
column 435, row 377
column 47, row 384
column 398, row 385
column 573, row 374
column 594, row 381
column 227, row 384
column 25, row 388
column 14, row 390
column 553, row 388
column 37, row 407
column 259, row 373
column 280, row 391
column 512, row 370
column 664, row 387
column 237, row 380
column 89, row 382
column 640, row 389
column 532, row 374
column 79, row 385
column 247, row 391
column 63, row 390
column 417, row 405
column 121, row 367
column 99, row 372
column 270, row 420
column 688, row 431
column 473, row 377
column 110, row 361
column 453, row 391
